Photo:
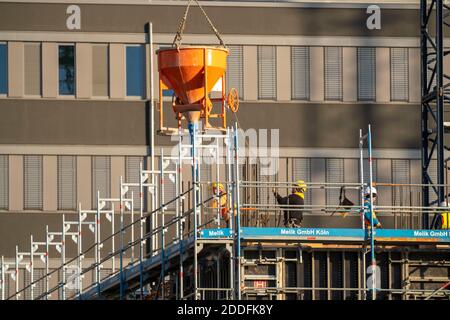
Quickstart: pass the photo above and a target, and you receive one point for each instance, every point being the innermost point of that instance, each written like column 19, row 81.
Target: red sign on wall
column 260, row 283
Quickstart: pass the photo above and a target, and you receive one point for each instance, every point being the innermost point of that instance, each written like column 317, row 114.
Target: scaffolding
column 181, row 248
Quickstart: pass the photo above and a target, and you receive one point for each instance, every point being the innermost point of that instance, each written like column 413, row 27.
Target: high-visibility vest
column 445, row 218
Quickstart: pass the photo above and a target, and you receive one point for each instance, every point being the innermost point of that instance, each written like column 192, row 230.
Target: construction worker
column 221, row 201
column 442, row 221
column 370, row 190
column 293, row 218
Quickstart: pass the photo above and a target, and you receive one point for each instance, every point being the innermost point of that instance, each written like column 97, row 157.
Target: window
column 3, row 68
column 334, row 174
column 301, row 170
column 101, row 178
column 132, row 175
column 4, row 179
column 66, row 70
column 399, row 74
column 235, row 73
column 267, row 72
column 100, row 71
column 300, row 73
column 32, row 182
column 333, row 73
column 135, row 67
column 67, row 183
column 366, row 74
column 33, row 69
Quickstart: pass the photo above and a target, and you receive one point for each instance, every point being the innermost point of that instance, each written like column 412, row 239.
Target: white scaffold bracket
column 35, row 247
column 166, row 164
column 59, row 248
column 66, row 227
column 101, row 204
column 75, row 238
column 124, row 190
column 42, row 257
column 144, row 176
column 172, row 177
column 92, row 228
column 128, row 205
column 83, row 216
column 109, row 216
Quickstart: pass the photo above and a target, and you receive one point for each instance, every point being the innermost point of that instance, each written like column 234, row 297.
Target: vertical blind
column 67, row 182
column 266, row 175
column 267, row 73
column 32, row 69
column 100, row 70
column 300, row 73
column 4, row 179
column 366, row 74
column 334, row 174
column 301, row 170
column 333, row 73
column 399, row 74
column 235, row 70
column 101, row 178
column 132, row 175
column 366, row 170
column 32, row 182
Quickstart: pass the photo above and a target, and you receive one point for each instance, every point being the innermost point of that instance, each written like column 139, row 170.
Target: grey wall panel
column 300, row 124
column 33, row 70
column 228, row 20
column 50, row 181
column 15, row 182
column 73, row 122
column 120, row 123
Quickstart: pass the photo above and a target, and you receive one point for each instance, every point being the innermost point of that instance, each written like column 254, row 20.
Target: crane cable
column 179, row 35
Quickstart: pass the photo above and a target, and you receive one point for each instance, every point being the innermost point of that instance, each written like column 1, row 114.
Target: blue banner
column 331, row 234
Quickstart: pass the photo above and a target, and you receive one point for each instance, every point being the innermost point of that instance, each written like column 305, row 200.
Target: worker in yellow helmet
column 221, row 201
column 443, row 223
column 293, row 217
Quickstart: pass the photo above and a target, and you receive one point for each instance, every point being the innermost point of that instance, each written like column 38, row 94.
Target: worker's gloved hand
column 379, row 226
column 274, row 191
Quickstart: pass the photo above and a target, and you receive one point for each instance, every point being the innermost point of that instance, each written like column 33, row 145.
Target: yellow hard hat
column 218, row 185
column 301, row 184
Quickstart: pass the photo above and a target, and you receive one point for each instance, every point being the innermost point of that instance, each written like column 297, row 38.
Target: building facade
column 75, row 95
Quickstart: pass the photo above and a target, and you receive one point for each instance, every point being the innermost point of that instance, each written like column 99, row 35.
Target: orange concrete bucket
column 188, row 71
